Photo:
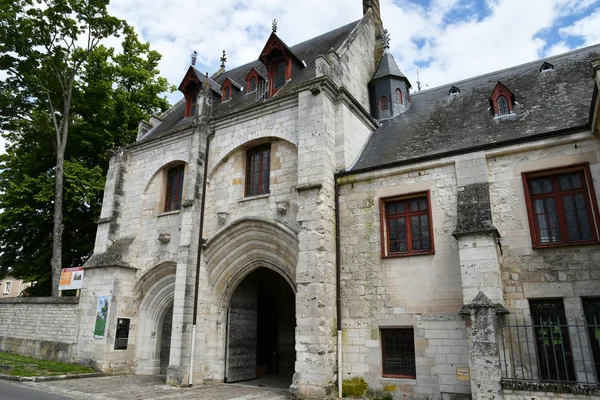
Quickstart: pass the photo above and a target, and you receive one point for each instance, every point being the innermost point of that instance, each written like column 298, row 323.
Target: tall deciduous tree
column 62, row 84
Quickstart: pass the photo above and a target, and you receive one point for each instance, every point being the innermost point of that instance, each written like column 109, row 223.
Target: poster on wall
column 71, row 278
column 101, row 314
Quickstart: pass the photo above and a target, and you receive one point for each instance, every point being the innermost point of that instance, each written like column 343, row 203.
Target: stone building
column 307, row 216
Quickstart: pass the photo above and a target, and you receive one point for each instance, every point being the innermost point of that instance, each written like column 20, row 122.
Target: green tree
column 108, row 95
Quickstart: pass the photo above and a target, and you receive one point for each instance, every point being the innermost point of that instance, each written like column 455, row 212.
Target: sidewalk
column 141, row 387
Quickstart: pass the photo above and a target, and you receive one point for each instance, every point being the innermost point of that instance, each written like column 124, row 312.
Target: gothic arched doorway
column 261, row 322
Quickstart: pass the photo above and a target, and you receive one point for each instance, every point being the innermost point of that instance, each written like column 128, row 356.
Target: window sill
column 249, row 198
column 164, row 214
column 400, row 255
column 406, row 378
column 571, row 244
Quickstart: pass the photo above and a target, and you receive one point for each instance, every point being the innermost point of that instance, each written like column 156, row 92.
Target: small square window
column 258, row 166
column 174, row 188
column 398, row 353
column 561, row 206
column 406, row 227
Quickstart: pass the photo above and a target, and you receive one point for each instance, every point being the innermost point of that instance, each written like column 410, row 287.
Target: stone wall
column 43, row 327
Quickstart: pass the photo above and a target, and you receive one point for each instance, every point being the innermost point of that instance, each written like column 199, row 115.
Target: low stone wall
column 43, row 327
column 517, row 390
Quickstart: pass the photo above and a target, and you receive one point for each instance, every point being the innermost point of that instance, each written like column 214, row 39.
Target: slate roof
column 438, row 123
column 305, row 51
column 387, row 67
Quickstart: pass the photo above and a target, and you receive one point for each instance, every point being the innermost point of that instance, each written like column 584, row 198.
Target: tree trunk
column 58, row 224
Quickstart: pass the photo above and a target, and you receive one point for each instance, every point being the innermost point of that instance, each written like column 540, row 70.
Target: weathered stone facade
column 294, row 280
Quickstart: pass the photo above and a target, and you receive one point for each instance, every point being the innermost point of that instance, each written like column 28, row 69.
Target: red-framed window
column 226, row 91
column 258, row 169
column 174, row 187
column 252, row 83
column 561, row 206
column 398, row 96
column 406, row 225
column 383, row 103
column 398, row 353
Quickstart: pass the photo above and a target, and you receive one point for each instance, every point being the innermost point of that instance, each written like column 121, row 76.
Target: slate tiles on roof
column 387, row 67
column 437, row 123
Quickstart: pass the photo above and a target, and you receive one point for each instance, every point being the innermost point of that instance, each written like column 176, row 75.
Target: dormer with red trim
column 190, row 87
column 253, row 80
column 280, row 63
column 502, row 100
column 227, row 89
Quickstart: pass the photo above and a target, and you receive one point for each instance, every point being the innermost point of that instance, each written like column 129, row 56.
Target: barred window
column 398, row 353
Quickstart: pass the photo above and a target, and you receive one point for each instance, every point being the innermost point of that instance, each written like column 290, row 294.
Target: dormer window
column 454, row 91
column 226, row 91
column 277, row 73
column 252, row 80
column 190, row 87
column 383, row 103
column 278, row 59
column 546, row 66
column 252, row 84
column 502, row 100
column 399, row 99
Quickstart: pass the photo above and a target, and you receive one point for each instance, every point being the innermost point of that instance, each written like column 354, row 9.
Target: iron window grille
column 398, row 353
column 174, row 188
column 406, row 225
column 562, row 207
column 258, row 163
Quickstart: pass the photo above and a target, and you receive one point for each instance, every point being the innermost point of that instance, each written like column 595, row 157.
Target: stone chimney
column 379, row 36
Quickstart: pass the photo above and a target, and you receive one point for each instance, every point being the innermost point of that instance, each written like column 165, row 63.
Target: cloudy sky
column 446, row 40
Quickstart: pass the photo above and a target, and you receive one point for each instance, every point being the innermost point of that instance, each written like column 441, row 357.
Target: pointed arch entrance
column 261, row 322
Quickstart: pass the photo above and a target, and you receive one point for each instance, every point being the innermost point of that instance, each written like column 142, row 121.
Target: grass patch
column 17, row 365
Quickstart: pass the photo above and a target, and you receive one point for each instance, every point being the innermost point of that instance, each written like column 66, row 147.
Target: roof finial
column 274, row 24
column 386, row 39
column 418, row 81
column 223, row 59
column 194, row 57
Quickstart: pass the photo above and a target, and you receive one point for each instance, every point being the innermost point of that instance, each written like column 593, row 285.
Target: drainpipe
column 198, row 259
column 338, row 297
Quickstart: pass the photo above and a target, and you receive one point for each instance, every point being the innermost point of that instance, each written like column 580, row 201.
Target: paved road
column 134, row 387
column 17, row 391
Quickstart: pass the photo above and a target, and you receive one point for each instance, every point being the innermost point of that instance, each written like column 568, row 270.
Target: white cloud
column 588, row 28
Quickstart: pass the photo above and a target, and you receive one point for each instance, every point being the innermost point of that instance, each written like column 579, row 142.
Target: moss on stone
column 375, row 334
column 390, row 388
column 354, row 387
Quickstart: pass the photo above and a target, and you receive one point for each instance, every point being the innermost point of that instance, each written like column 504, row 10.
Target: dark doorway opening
column 165, row 340
column 261, row 329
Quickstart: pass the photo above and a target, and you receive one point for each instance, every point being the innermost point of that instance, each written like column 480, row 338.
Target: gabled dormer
column 190, row 87
column 227, row 89
column 389, row 89
column 502, row 100
column 254, row 80
column 280, row 63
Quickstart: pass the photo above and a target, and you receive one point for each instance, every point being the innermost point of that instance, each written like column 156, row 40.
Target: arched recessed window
column 258, row 167
column 398, row 96
column 503, row 106
column 383, row 103
column 174, row 187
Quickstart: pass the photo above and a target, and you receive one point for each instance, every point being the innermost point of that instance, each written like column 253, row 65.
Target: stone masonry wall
column 39, row 327
column 420, row 292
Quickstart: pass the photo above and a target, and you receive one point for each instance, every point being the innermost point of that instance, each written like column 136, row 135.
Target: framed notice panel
column 71, row 278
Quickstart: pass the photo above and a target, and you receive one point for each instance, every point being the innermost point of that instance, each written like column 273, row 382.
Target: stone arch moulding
column 243, row 142
column 150, row 179
column 152, row 275
column 153, row 308
column 245, row 245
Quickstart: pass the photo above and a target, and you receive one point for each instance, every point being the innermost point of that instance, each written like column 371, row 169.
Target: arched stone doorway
column 261, row 321
column 154, row 335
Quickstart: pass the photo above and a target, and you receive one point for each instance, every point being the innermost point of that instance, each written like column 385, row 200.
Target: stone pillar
column 484, row 352
column 183, row 302
column 477, row 243
column 315, row 273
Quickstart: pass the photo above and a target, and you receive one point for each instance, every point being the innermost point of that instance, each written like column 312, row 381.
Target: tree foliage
column 110, row 93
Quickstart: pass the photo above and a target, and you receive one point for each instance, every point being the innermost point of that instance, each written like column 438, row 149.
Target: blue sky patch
column 467, row 10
